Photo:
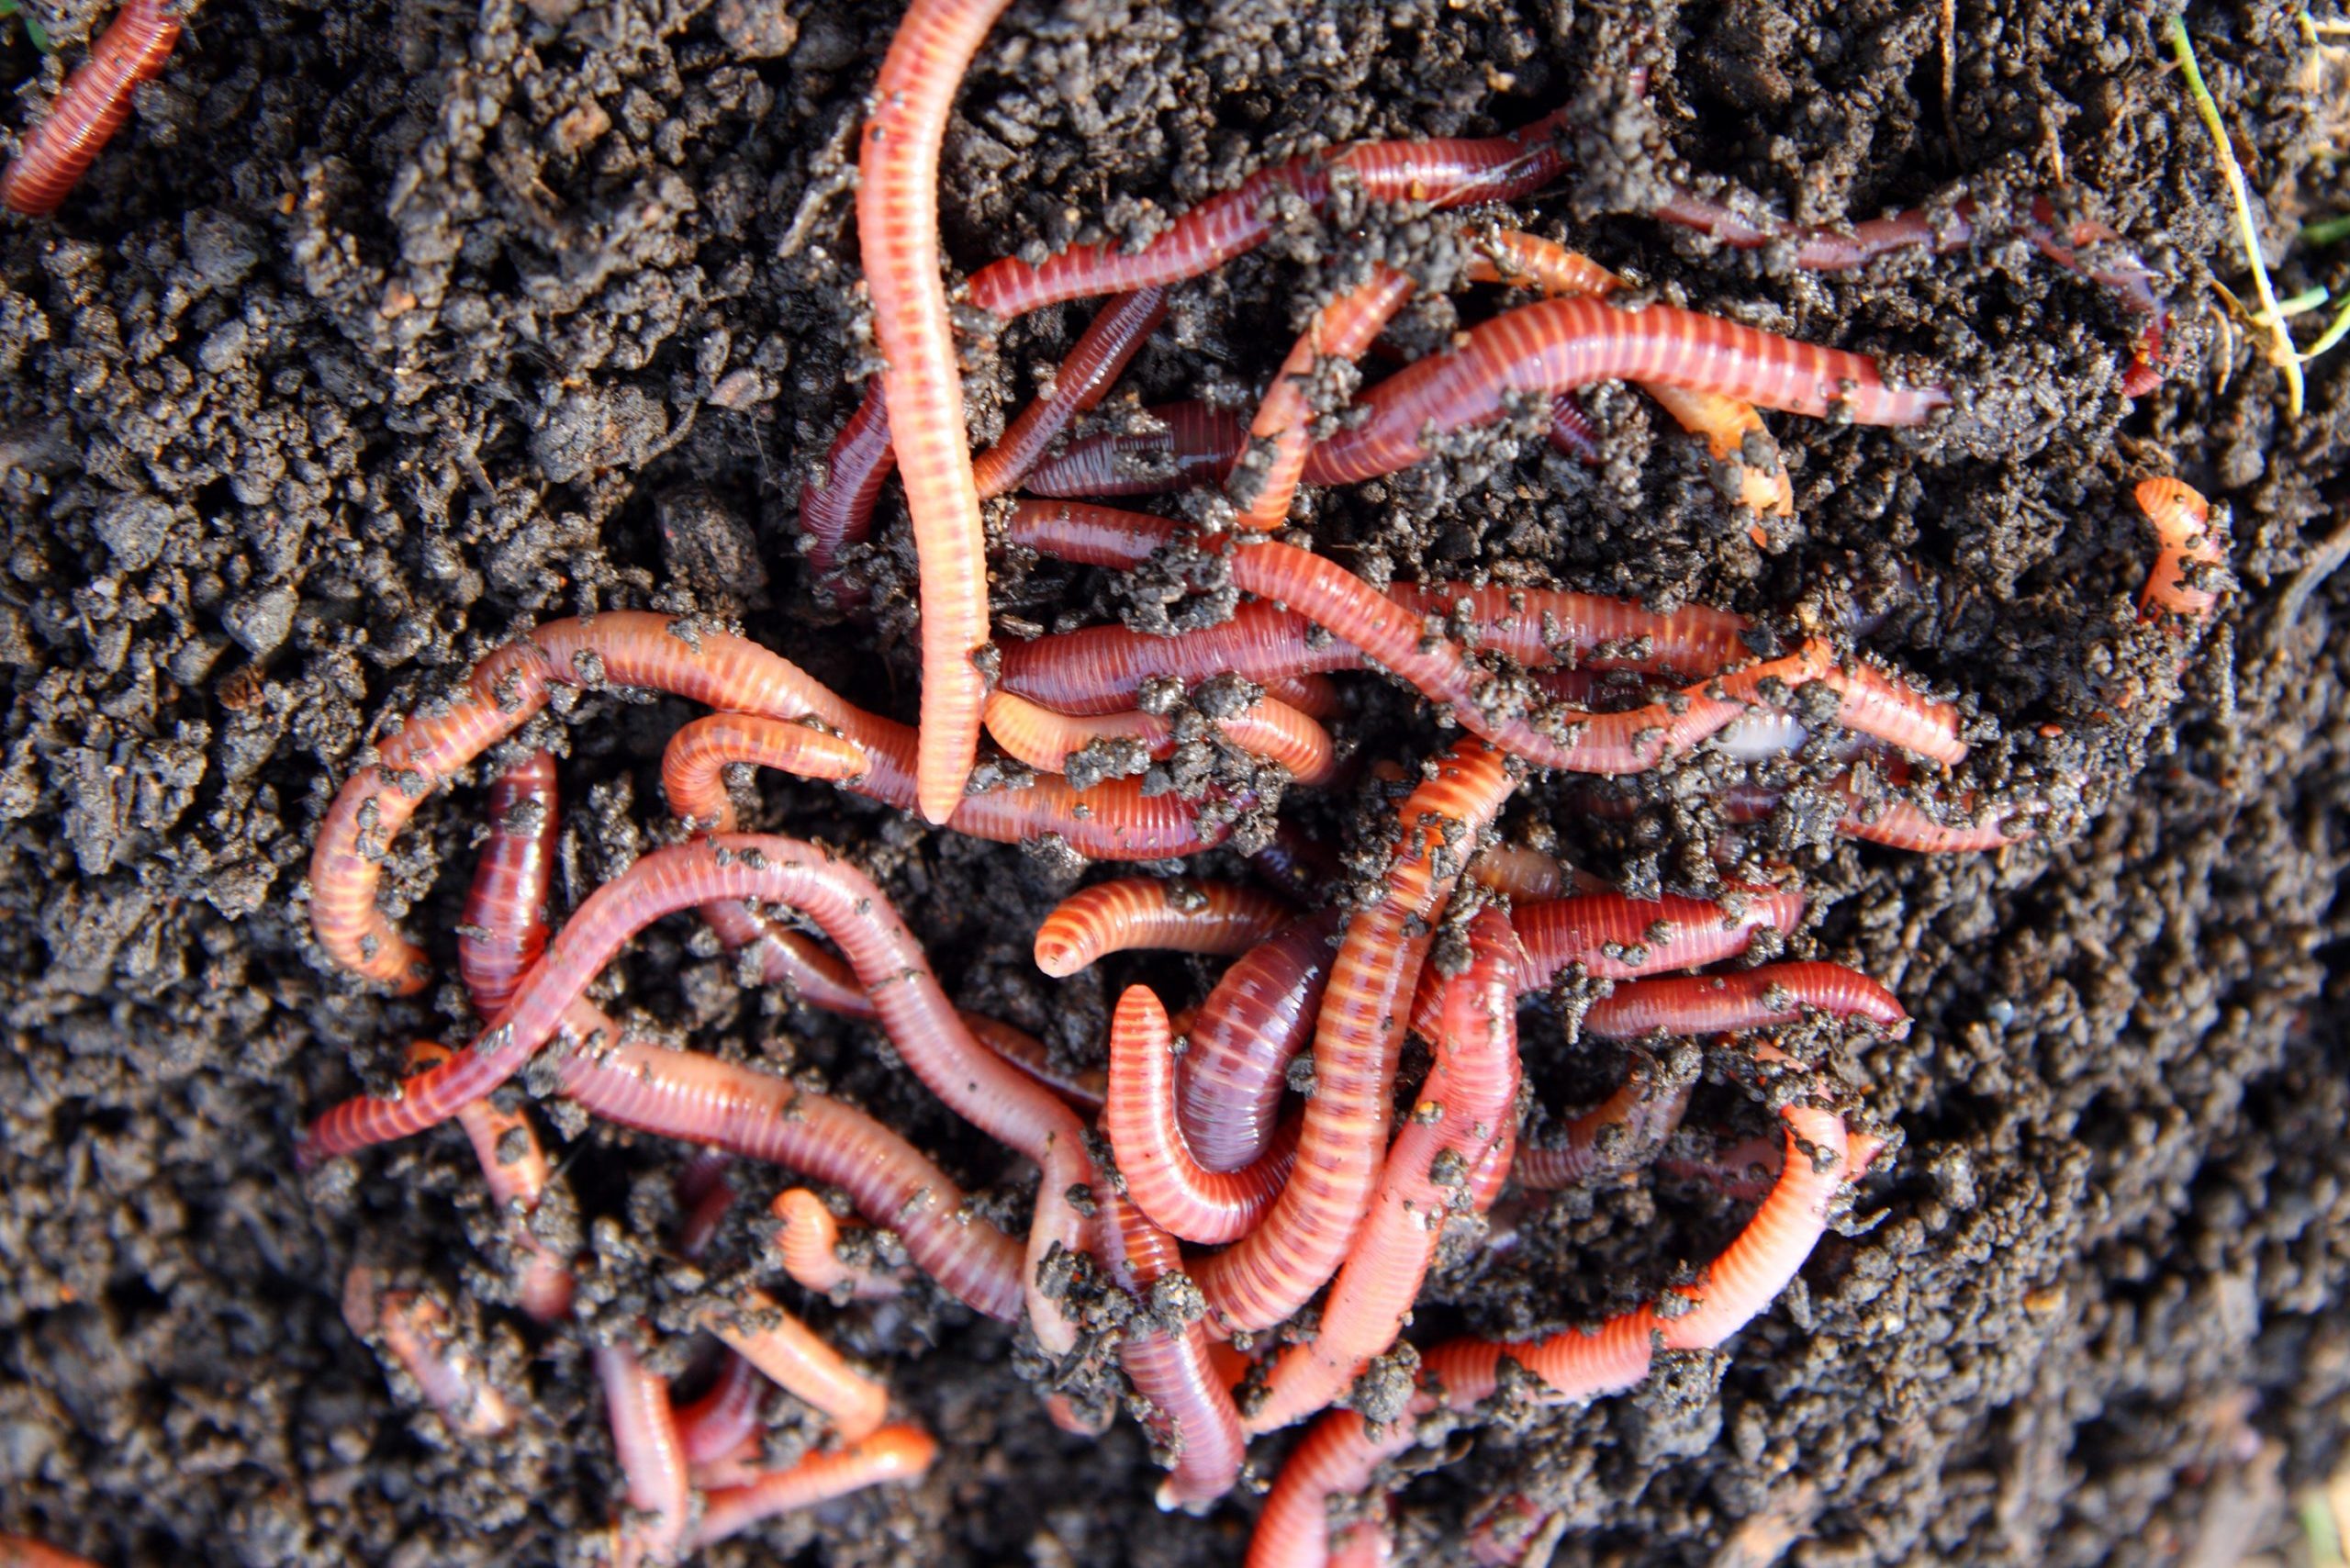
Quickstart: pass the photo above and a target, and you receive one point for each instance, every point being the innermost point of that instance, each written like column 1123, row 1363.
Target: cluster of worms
column 1240, row 1204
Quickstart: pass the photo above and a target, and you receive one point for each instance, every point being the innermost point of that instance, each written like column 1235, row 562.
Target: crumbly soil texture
column 388, row 330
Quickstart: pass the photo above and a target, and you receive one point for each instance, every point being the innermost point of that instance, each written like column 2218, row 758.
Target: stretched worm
column 836, row 503
column 516, row 1169
column 1282, row 432
column 1229, row 1080
column 1163, row 1177
column 757, row 1328
column 96, row 102
column 1614, row 1135
column 1152, row 913
column 893, row 1453
column 1758, row 1264
column 1437, row 172
column 897, row 222
column 2191, row 550
column 716, row 1426
column 808, row 1239
column 1726, row 424
column 1270, row 1274
column 413, row 1329
column 1192, row 1414
column 698, row 1099
column 1107, row 346
column 1197, row 444
column 1462, row 1111
column 1555, row 345
column 1750, row 998
column 1267, row 728
column 653, row 1461
column 505, row 927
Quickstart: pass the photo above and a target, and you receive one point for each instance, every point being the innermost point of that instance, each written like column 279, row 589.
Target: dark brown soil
column 389, row 329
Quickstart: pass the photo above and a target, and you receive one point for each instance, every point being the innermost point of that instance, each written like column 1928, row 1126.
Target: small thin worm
column 1615, row 1135
column 1197, row 444
column 1154, row 913
column 757, row 1328
column 808, row 1239
column 716, row 1426
column 893, row 1453
column 1748, row 999
column 2191, row 550
column 413, row 1329
column 645, row 1438
column 1265, row 482
column 515, row 1167
column 836, row 503
column 1191, row 1409
column 1268, row 729
column 1107, row 346
column 57, row 152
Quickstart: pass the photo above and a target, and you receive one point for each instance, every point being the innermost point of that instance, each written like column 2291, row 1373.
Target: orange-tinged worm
column 1103, row 353
column 414, row 1331
column 1163, row 1179
column 96, row 101
column 1283, row 432
column 893, row 1453
column 653, row 1461
column 1267, row 728
column 1154, row 913
column 1191, row 1409
column 808, row 1239
column 516, row 1169
column 757, row 1328
column 2192, row 551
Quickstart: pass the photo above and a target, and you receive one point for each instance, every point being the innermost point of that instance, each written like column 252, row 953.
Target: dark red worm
column 1192, row 1414
column 1282, row 432
column 893, row 1453
column 1750, row 998
column 96, row 101
column 1437, row 172
column 715, row 1426
column 516, row 1169
column 1197, row 444
column 1154, row 912
column 1556, row 345
column 1359, row 1035
column 1163, row 1177
column 505, row 927
column 1235, row 1066
column 645, row 1438
column 1618, row 1133
column 413, row 1329
column 837, row 501
column 981, row 1088
column 1463, row 1110
column 1107, row 346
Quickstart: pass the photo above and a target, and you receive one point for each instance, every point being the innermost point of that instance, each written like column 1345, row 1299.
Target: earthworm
column 1750, row 998
column 698, row 1099
column 1083, row 1088
column 897, row 223
column 94, row 104
column 505, row 927
column 1742, row 1170
column 976, row 1085
column 414, row 1331
column 808, row 1238
column 653, row 1461
column 1616, row 1133
column 1896, row 820
column 1197, row 444
column 1553, row 345
column 1437, row 172
column 1522, row 873
column 1163, row 1177
column 1152, row 913
column 899, row 1452
column 693, row 765
column 1103, row 353
column 1283, row 432
column 1758, row 1264
column 705, row 1212
column 17, row 1552
column 1726, row 424
column 1340, row 1451
column 1267, row 728
column 757, row 1328
column 1463, row 1109
column 1299, row 867
column 516, row 1169
column 1270, row 1274
column 1571, row 430
column 716, row 1426
column 836, row 503
column 2192, row 551
column 1192, row 1414
column 1229, row 1081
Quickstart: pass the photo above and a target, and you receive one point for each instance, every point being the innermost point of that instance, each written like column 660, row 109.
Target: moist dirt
column 387, row 332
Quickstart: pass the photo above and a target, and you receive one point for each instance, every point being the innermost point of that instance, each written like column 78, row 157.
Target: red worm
column 1101, row 356
column 1439, row 172
column 975, row 1083
column 1192, row 1414
column 756, row 1328
column 96, row 102
column 1728, row 425
column 1161, row 1176
column 1338, row 1455
column 505, row 928
column 2192, row 551
column 1359, row 1036
column 693, row 765
column 1230, row 1077
column 1555, row 345
column 1750, row 998
column 1197, row 444
column 1617, row 1133
column 698, row 1099
column 897, row 222
column 1268, row 729
column 1282, row 432
column 1757, row 1266
column 808, row 1239
column 1463, row 1109
column 516, row 1169
column 17, row 1552
column 893, row 1453
column 653, row 1461
column 1524, row 874
column 836, row 503
column 1083, row 1088
column 1153, row 912
column 715, row 1426
column 1965, row 824
column 414, row 1331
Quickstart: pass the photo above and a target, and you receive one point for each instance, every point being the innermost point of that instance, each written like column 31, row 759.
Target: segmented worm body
column 1192, row 1414
column 1103, row 353
column 808, row 1240
column 505, row 928
column 2191, row 552
column 1270, row 1274
column 1750, row 998
column 837, row 501
column 653, row 1461
column 1229, row 1080
column 1153, row 912
column 897, row 222
column 1196, row 444
column 757, row 1328
column 1618, row 1133
column 96, row 102
column 1267, row 728
column 893, row 1453
column 715, row 1426
column 414, row 1331
column 1282, row 432
column 516, row 1170
column 1163, row 1178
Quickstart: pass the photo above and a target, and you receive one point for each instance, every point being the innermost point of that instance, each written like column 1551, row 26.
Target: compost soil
column 388, row 330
